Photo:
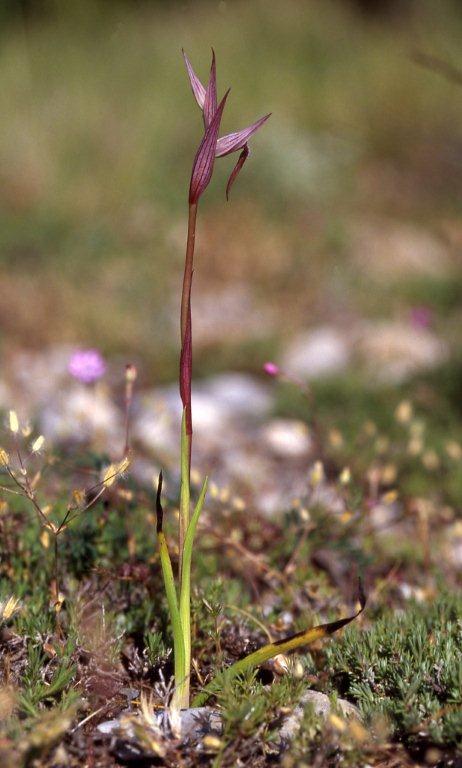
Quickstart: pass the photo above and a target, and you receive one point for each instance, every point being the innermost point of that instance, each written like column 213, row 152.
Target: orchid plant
column 178, row 591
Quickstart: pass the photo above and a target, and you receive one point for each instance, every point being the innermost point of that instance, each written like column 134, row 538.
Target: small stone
column 237, row 394
column 321, row 705
column 454, row 545
column 129, row 693
column 156, row 424
column 218, row 404
column 229, row 314
column 109, row 727
column 391, row 252
column 433, row 756
column 198, row 722
column 324, row 351
column 393, row 351
column 287, row 437
column 382, row 515
column 81, row 414
column 192, row 724
column 39, row 375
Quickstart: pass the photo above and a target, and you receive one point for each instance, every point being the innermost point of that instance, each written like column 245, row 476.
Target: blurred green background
column 97, row 134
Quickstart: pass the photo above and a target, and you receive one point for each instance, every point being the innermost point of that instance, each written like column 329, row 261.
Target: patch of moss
column 407, row 668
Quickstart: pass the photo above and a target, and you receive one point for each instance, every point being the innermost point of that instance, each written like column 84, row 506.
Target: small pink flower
column 421, row 316
column 87, row 365
column 271, row 369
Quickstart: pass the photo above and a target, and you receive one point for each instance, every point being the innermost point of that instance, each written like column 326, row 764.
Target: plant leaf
column 172, row 600
column 185, row 588
column 266, row 652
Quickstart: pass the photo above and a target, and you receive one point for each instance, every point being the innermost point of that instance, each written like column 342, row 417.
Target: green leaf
column 185, row 589
column 172, row 602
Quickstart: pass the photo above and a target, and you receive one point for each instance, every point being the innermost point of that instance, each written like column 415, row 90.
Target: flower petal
column 196, row 85
column 234, row 141
column 205, row 156
column 210, row 101
column 237, row 169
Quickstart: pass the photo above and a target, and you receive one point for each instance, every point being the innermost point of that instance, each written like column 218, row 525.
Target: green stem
column 185, row 490
column 186, row 440
column 186, row 448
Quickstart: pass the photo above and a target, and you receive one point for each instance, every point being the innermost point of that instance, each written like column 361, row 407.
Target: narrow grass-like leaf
column 172, row 602
column 185, row 588
column 306, row 637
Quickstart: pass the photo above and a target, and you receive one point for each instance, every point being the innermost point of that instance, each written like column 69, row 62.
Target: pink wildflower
column 421, row 316
column 87, row 365
column 271, row 369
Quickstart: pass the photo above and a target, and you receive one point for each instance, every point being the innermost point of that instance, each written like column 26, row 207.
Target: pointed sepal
column 205, row 156
column 196, row 85
column 210, row 101
column 234, row 141
column 237, row 169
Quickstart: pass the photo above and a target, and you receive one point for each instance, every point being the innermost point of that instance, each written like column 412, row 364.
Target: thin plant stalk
column 130, row 378
column 188, row 269
column 211, row 146
column 186, row 449
column 186, row 431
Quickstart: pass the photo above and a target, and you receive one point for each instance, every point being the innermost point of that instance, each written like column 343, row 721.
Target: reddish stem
column 188, row 271
column 186, row 327
column 186, row 354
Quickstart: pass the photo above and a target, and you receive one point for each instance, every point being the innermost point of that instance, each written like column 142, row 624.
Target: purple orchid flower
column 212, row 146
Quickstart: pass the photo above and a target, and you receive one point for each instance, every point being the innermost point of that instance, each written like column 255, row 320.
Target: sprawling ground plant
column 179, row 596
column 408, row 669
column 23, row 466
